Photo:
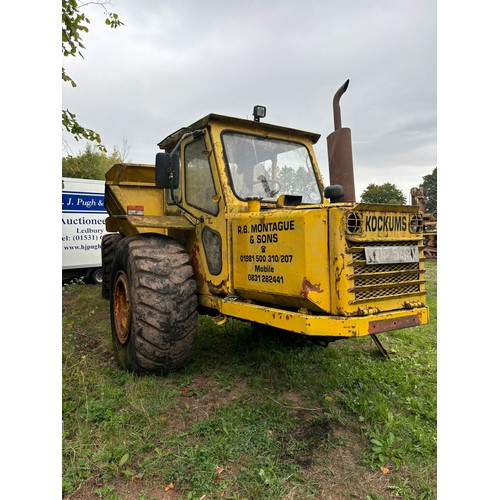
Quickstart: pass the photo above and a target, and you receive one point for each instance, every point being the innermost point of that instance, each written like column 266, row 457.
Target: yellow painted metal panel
column 282, row 257
column 358, row 287
column 327, row 326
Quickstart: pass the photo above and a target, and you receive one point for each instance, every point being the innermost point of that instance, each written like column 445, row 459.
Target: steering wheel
column 267, row 189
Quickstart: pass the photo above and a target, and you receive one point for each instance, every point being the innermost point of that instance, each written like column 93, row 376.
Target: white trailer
column 83, row 225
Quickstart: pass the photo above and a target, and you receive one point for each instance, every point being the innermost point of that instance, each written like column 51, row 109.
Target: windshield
column 267, row 168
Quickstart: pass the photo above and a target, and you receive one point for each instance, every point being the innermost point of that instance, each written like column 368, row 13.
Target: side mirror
column 167, row 167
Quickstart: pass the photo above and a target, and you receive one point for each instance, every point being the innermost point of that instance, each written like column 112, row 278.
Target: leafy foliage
column 91, row 163
column 294, row 180
column 430, row 191
column 74, row 24
column 383, row 193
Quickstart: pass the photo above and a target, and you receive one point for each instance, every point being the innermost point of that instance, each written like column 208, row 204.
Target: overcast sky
column 176, row 61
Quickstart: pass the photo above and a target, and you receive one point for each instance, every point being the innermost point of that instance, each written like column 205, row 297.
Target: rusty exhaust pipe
column 339, row 145
column 337, row 120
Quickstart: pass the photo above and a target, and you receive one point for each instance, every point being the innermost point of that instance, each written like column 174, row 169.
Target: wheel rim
column 98, row 277
column 121, row 308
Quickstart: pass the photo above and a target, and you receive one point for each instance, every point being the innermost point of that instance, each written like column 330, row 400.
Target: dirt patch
column 200, row 400
column 342, row 481
column 329, row 455
column 134, row 489
column 311, row 435
column 333, row 464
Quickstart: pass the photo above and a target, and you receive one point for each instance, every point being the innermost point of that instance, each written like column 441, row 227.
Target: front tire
column 153, row 304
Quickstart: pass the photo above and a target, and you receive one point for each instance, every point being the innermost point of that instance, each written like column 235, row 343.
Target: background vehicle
column 234, row 221
column 430, row 223
column 83, row 224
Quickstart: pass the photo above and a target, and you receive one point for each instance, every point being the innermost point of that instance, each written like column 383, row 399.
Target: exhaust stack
column 340, row 151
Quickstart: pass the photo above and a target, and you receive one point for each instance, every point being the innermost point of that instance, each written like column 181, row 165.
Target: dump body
column 265, row 244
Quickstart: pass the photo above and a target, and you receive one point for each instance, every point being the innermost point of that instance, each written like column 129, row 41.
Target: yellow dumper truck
column 234, row 221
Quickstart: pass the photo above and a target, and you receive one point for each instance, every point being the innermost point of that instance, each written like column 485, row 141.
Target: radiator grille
column 372, row 282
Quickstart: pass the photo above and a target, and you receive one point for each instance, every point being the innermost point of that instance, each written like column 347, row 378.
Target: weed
column 72, row 283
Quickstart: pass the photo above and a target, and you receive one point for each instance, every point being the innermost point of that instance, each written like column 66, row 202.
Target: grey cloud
column 174, row 62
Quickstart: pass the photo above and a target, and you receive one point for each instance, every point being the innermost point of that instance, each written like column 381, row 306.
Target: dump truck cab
column 230, row 168
column 267, row 241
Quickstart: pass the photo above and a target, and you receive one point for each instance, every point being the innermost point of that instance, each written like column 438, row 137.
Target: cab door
column 203, row 197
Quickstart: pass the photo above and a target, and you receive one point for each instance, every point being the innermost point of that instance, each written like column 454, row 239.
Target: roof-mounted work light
column 259, row 112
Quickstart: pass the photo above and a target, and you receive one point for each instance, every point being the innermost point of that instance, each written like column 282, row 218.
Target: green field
column 249, row 417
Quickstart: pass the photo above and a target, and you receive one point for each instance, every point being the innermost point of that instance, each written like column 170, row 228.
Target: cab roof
column 237, row 123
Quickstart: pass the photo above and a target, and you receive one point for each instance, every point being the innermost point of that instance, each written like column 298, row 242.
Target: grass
column 248, row 417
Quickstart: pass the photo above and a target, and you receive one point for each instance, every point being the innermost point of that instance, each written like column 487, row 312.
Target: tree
column 384, row 193
column 74, row 23
column 91, row 163
column 430, row 191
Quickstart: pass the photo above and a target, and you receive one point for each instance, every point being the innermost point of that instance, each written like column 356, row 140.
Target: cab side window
column 200, row 186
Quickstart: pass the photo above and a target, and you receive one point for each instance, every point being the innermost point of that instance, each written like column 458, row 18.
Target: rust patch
column 339, row 270
column 307, row 287
column 220, row 289
column 386, row 325
column 199, row 277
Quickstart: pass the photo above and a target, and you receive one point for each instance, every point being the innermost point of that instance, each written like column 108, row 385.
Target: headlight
column 259, row 112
